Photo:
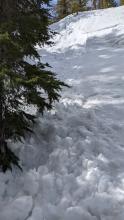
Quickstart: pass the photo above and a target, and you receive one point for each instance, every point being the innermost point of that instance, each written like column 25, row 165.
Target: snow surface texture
column 74, row 162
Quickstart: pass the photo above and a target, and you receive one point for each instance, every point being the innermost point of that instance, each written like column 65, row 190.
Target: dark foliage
column 23, row 25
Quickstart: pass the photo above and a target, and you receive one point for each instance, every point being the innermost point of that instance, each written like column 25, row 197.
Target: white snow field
column 73, row 164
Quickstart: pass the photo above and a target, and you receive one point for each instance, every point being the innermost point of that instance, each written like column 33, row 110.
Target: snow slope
column 74, row 162
column 74, row 31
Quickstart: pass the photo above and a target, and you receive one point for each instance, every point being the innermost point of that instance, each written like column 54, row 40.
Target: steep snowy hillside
column 74, row 162
column 74, row 31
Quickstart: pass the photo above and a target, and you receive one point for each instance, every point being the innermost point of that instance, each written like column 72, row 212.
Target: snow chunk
column 19, row 209
column 78, row 213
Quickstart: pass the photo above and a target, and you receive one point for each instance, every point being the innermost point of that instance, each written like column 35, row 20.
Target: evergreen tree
column 75, row 7
column 83, row 5
column 100, row 4
column 112, row 3
column 78, row 5
column 122, row 2
column 63, row 8
column 23, row 25
column 107, row 4
column 66, row 7
column 95, row 4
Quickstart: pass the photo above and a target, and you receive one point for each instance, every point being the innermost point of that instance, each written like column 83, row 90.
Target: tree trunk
column 94, row 4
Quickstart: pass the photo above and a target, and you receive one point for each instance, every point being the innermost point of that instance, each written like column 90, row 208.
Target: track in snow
column 74, row 164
